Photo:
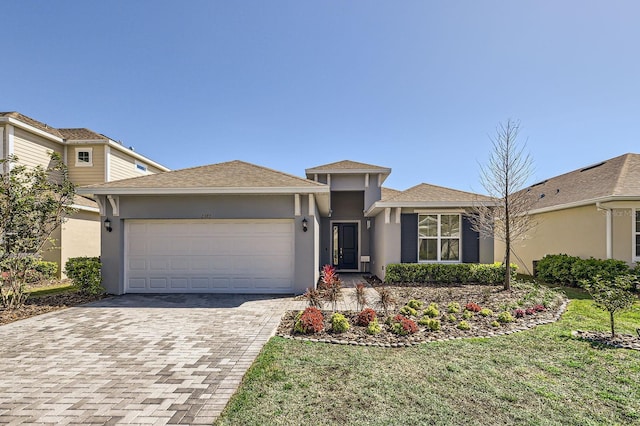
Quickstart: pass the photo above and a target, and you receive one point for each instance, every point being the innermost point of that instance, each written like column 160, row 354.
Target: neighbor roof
column 616, row 178
column 348, row 166
column 82, row 134
column 233, row 176
column 31, row 122
column 388, row 193
column 84, row 202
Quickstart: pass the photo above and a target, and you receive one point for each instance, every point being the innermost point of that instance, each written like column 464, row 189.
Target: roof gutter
column 379, row 205
column 18, row 123
column 583, row 203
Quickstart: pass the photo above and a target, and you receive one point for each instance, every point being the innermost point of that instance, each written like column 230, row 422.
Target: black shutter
column 409, row 238
column 470, row 242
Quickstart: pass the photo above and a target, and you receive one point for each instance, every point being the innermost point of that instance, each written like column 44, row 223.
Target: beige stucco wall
column 86, row 175
column 579, row 231
column 33, row 150
column 78, row 236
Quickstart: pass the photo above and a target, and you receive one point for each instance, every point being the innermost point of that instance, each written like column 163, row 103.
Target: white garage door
column 209, row 256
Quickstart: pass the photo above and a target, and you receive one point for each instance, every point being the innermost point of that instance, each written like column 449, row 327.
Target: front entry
column 345, row 246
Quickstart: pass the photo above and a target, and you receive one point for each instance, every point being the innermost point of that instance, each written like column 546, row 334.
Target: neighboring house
column 590, row 212
column 90, row 157
column 236, row 227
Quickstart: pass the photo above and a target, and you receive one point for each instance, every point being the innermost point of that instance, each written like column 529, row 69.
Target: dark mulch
column 43, row 304
column 491, row 297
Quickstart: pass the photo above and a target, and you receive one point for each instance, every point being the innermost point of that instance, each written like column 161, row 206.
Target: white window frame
column 84, row 163
column 138, row 166
column 439, row 237
column 634, row 235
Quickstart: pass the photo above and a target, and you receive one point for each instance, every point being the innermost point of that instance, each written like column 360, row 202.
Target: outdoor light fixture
column 107, row 225
column 304, row 224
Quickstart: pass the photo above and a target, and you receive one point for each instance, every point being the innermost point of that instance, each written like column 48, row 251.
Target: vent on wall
column 593, row 166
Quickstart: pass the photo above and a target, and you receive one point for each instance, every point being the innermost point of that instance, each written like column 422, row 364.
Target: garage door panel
column 209, row 256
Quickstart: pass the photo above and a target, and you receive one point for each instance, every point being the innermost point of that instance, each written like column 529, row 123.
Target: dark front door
column 345, row 245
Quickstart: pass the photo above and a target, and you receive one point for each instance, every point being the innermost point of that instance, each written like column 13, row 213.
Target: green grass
column 52, row 289
column 541, row 376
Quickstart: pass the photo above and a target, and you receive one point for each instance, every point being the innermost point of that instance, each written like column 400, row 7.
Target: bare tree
column 504, row 178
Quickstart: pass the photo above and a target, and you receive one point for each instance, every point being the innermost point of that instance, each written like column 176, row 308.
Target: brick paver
column 133, row 359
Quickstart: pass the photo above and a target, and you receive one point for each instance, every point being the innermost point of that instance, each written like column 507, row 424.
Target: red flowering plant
column 473, row 307
column 365, row 317
column 309, row 321
column 519, row 313
column 402, row 325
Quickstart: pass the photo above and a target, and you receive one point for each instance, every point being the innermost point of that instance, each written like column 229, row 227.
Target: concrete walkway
column 173, row 359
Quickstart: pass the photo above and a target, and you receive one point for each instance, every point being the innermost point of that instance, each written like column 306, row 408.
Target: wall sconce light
column 304, row 224
column 107, row 225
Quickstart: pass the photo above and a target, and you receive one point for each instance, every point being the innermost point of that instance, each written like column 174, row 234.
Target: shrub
column 539, row 308
column 495, row 324
column 463, row 325
column 486, row 312
column 386, row 300
column 408, row 311
column 366, row 316
column 431, row 323
column 451, row 318
column 519, row 313
column 313, row 298
column 373, row 327
column 432, row 311
column 573, row 270
column 339, row 323
column 415, row 304
column 42, row 270
column 361, row 297
column 453, row 307
column 473, row 307
column 460, row 273
column 402, row 326
column 505, row 317
column 530, row 311
column 309, row 321
column 85, row 274
column 467, row 315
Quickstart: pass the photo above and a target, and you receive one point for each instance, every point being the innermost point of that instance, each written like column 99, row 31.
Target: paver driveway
column 161, row 359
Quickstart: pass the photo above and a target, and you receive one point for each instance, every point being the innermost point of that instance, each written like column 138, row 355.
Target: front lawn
column 540, row 376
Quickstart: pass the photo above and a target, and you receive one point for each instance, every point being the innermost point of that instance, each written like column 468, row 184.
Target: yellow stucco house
column 590, row 212
column 90, row 157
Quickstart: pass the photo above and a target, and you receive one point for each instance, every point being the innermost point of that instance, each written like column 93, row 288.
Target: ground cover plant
column 540, row 376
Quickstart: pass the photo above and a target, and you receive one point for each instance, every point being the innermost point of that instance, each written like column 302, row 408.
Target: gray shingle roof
column 84, row 201
column 81, row 134
column 31, row 122
column 388, row 193
column 347, row 165
column 232, row 174
column 425, row 192
column 619, row 176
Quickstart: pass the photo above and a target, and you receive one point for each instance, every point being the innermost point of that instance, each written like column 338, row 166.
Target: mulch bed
column 43, row 304
column 626, row 341
column 491, row 297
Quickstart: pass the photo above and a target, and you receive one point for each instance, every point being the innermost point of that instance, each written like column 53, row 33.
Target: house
column 593, row 211
column 236, row 227
column 90, row 157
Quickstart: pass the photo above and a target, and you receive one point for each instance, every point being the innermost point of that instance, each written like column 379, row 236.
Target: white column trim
column 387, row 215
column 398, row 212
column 312, row 204
column 609, row 234
column 101, row 208
column 315, row 177
column 296, row 204
column 2, row 143
column 10, row 145
column 328, row 179
column 115, row 204
column 379, row 180
column 366, row 180
column 107, row 163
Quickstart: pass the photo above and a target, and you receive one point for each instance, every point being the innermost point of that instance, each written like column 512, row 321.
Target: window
column 439, row 238
column 636, row 235
column 84, row 157
column 141, row 167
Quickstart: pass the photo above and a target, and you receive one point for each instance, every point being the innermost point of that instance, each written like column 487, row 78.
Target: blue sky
column 418, row 86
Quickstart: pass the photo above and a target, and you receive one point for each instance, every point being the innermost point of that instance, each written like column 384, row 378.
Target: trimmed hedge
column 42, row 270
column 85, row 272
column 571, row 270
column 459, row 273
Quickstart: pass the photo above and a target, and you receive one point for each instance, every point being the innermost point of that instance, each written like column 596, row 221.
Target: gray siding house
column 236, row 227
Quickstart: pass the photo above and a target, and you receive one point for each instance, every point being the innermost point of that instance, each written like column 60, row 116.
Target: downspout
column 609, row 237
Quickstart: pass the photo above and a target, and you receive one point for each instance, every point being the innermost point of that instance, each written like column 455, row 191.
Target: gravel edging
column 418, row 340
column 622, row 341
